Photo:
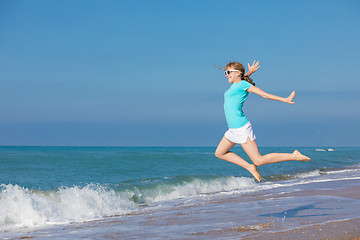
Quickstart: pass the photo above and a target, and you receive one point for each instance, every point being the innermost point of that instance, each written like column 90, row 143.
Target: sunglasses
column 227, row 72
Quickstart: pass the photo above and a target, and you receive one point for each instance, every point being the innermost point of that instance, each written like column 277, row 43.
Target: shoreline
column 222, row 218
column 318, row 200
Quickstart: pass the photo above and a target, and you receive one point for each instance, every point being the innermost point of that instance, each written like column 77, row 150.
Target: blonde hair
column 240, row 67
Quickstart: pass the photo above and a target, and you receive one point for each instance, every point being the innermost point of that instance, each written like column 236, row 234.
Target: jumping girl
column 240, row 129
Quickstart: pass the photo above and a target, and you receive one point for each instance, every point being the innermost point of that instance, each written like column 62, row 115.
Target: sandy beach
column 340, row 230
column 336, row 230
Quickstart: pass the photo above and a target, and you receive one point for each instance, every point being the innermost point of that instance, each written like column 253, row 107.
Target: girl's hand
column 254, row 67
column 290, row 98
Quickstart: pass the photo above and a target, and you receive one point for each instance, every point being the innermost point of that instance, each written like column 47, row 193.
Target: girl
column 240, row 129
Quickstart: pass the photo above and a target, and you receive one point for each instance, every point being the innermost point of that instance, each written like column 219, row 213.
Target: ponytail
column 248, row 79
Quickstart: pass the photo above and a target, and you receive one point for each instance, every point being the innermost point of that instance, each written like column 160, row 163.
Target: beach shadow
column 296, row 212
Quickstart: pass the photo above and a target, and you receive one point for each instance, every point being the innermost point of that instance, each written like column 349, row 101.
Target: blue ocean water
column 42, row 186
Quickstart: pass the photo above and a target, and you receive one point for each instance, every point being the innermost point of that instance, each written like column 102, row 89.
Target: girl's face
column 233, row 75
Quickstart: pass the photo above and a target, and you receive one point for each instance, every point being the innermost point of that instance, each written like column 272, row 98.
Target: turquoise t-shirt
column 234, row 99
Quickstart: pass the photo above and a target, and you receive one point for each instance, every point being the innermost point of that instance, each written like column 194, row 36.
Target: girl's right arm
column 253, row 68
column 266, row 95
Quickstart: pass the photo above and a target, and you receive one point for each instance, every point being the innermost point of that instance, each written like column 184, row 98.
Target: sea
column 168, row 192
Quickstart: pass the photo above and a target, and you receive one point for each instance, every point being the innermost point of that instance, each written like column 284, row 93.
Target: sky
column 143, row 73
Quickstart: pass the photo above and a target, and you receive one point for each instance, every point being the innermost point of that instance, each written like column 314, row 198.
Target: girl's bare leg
column 222, row 152
column 251, row 149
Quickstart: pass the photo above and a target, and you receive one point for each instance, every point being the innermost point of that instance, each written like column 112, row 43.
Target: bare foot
column 299, row 157
column 253, row 170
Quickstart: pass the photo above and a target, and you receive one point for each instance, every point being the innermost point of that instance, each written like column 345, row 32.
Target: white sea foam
column 195, row 187
column 324, row 150
column 20, row 207
column 343, row 171
column 308, row 174
column 201, row 186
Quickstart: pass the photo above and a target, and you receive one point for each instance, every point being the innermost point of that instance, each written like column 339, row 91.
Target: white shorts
column 240, row 135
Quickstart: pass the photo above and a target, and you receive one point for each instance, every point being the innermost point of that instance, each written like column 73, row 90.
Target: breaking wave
column 21, row 207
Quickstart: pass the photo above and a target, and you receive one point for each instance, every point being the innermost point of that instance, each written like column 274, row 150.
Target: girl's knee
column 218, row 154
column 258, row 161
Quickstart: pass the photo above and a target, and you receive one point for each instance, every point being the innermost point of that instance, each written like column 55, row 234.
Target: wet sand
column 341, row 230
column 333, row 230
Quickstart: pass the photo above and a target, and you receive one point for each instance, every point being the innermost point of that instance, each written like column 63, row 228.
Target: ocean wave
column 324, row 149
column 187, row 186
column 281, row 177
column 308, row 174
column 349, row 170
column 22, row 208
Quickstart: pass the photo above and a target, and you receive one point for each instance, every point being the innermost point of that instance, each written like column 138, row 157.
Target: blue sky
column 142, row 73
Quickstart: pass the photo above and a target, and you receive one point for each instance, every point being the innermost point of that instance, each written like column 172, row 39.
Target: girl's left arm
column 266, row 95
